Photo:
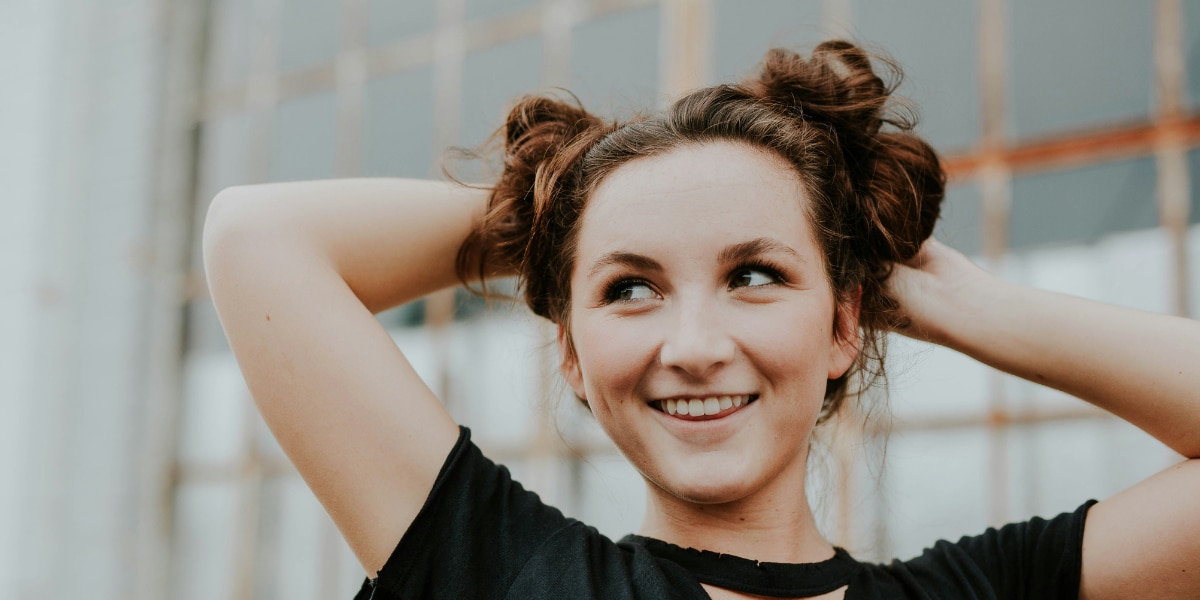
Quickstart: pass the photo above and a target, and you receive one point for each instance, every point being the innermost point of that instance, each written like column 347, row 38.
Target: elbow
column 228, row 222
column 226, row 210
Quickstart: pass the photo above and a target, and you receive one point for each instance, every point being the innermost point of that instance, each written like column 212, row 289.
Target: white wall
column 82, row 81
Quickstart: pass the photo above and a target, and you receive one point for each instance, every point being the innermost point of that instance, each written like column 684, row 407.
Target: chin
column 708, row 485
column 712, row 495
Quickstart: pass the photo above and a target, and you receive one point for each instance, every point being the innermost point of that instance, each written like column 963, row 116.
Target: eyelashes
column 750, row 275
column 627, row 290
column 743, row 276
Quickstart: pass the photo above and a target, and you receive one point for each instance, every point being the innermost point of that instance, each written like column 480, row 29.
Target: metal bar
column 182, row 71
column 837, row 21
column 261, row 98
column 1170, row 153
column 558, row 19
column 351, row 75
column 685, row 46
column 249, row 506
column 872, row 429
column 993, row 418
column 1078, row 148
column 996, row 187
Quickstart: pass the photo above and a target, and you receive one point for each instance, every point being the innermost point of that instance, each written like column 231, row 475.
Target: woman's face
column 698, row 283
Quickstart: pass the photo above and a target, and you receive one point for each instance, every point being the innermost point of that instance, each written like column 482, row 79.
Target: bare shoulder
column 1145, row 541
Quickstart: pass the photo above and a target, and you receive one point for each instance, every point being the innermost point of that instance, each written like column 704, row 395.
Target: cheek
column 791, row 346
column 612, row 356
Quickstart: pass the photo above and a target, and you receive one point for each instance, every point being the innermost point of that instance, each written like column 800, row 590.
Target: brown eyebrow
column 744, row 251
column 735, row 253
column 625, row 259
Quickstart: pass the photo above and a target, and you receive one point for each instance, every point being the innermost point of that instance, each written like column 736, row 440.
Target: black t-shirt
column 481, row 535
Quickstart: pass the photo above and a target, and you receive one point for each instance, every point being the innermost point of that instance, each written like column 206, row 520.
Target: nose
column 696, row 342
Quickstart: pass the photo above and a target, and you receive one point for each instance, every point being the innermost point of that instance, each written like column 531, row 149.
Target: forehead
column 720, row 192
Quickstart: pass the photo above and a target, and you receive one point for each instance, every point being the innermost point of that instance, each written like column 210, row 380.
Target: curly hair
column 874, row 189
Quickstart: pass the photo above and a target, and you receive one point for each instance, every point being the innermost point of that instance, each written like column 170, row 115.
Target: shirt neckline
column 775, row 580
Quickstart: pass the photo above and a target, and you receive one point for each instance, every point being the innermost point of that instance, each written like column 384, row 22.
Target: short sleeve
column 1039, row 558
column 476, row 531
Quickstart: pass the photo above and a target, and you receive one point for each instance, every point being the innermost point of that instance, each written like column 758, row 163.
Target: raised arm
column 1142, row 367
column 296, row 271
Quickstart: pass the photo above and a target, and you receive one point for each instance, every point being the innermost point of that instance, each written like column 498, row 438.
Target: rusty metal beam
column 1079, row 148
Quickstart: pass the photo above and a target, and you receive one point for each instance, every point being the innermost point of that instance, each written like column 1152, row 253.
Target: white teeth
column 695, row 407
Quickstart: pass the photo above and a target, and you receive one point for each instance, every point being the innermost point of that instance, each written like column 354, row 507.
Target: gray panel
column 398, row 125
column 1194, row 176
column 745, row 30
column 304, row 138
column 1079, row 63
column 1191, row 38
column 389, row 20
column 231, row 43
column 492, row 79
column 961, row 223
column 224, row 161
column 483, row 9
column 309, row 31
column 1082, row 205
column 614, row 66
column 224, row 154
column 936, row 44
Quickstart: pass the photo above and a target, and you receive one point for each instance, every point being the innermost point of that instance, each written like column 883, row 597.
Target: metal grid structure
column 686, row 51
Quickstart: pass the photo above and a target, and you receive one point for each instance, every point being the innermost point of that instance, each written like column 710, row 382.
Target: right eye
column 629, row 290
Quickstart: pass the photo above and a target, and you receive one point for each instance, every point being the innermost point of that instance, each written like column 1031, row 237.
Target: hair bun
column 836, row 85
column 895, row 178
column 544, row 139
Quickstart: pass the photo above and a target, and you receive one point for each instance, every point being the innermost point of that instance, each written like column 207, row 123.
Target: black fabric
column 481, row 535
column 775, row 580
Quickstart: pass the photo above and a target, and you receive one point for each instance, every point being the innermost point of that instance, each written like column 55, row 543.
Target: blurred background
column 132, row 462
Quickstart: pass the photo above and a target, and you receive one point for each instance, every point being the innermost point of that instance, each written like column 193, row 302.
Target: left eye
column 752, row 278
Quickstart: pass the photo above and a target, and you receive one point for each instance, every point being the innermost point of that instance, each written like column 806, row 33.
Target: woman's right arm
column 296, row 271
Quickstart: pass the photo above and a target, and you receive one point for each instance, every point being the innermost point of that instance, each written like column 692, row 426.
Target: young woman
column 719, row 274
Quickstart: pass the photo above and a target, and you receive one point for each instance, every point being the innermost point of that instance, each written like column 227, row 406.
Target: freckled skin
column 689, row 329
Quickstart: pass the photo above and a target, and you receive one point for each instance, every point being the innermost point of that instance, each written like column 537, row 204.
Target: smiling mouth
column 711, row 407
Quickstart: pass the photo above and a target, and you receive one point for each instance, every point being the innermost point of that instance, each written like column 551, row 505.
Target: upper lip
column 700, row 395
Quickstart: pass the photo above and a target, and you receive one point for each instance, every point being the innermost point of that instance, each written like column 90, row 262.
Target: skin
column 687, row 323
column 297, row 269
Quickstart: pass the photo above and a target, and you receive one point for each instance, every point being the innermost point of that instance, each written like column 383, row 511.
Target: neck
column 773, row 525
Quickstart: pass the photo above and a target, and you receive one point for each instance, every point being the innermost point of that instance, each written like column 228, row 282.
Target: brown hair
column 874, row 188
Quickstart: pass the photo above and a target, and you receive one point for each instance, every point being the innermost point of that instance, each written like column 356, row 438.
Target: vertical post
column 837, row 19
column 174, row 185
column 1170, row 150
column 995, row 183
column 558, row 18
column 685, row 46
column 449, row 53
column 262, row 92
column 351, row 74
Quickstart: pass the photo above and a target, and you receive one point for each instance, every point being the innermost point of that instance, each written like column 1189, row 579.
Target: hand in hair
column 936, row 272
column 1141, row 367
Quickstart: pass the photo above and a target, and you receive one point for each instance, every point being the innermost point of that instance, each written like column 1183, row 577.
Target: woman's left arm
column 1142, row 367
